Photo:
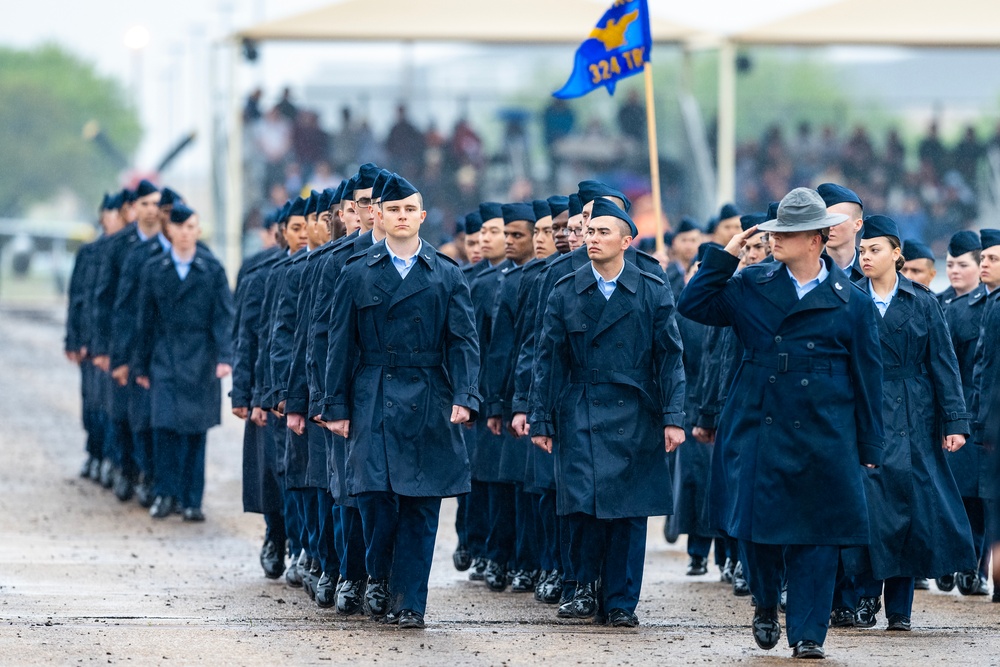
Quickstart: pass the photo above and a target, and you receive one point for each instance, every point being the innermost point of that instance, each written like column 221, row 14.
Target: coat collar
column 978, row 294
column 584, row 278
column 379, row 253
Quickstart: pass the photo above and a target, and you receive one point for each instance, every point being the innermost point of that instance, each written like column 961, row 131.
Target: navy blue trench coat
column 608, row 378
column 802, row 414
column 404, row 351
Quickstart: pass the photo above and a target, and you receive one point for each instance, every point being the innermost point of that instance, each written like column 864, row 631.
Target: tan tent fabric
column 482, row 21
column 886, row 22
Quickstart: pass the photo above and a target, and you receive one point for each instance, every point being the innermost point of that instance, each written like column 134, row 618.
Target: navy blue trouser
column 569, row 574
column 142, row 449
column 351, row 547
column 309, row 506
column 95, row 423
column 476, row 522
column 700, row 546
column 179, row 459
column 613, row 550
column 550, row 557
column 275, row 523
column 896, row 592
column 293, row 522
column 811, row 572
column 403, row 525
column 527, row 540
column 500, row 542
column 118, row 447
column 327, row 518
column 845, row 591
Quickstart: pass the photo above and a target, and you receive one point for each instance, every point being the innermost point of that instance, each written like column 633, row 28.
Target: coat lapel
column 776, row 286
column 416, row 281
column 899, row 311
column 618, row 306
column 831, row 293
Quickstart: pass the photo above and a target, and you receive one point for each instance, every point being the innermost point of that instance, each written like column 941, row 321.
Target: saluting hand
column 461, row 415
column 673, row 436
column 736, row 244
column 519, row 425
column 543, row 442
column 953, row 443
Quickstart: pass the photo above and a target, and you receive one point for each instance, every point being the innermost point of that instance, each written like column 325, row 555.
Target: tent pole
column 726, row 167
column 654, row 155
column 234, row 172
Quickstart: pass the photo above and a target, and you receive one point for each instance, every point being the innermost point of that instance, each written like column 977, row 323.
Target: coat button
column 772, row 379
column 391, row 318
column 768, row 420
column 388, row 377
column 797, row 425
column 375, row 299
column 620, row 345
column 899, row 400
column 902, row 433
column 810, row 345
column 414, row 407
column 804, row 383
column 584, row 327
column 417, row 320
column 595, row 429
column 414, row 378
column 388, row 404
column 621, row 431
column 621, row 403
column 596, row 344
column 777, row 339
column 390, row 348
column 596, row 403
column 590, row 291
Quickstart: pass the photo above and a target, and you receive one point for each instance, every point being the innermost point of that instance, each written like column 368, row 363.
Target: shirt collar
column 854, row 258
column 138, row 230
column 820, row 277
column 178, row 260
column 879, row 299
column 600, row 278
column 164, row 241
column 394, row 257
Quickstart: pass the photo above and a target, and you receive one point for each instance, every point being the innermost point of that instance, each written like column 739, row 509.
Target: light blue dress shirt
column 182, row 266
column 802, row 289
column 403, row 265
column 607, row 287
column 164, row 241
column 879, row 303
column 142, row 237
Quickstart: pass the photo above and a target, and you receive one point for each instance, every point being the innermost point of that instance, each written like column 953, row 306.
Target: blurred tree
column 47, row 95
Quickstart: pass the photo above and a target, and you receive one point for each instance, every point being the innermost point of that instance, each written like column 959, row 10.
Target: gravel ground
column 85, row 579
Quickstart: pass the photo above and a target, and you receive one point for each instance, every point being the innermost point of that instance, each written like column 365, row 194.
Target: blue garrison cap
column 963, row 242
column 880, row 225
column 349, row 188
column 712, row 223
column 834, row 194
column 913, row 249
column 558, row 204
column 397, row 188
column 366, row 175
column 751, row 219
column 284, row 212
column 989, row 237
column 574, row 205
column 686, row 225
column 379, row 184
column 105, row 202
column 473, row 222
column 145, row 188
column 517, row 211
column 541, row 208
column 169, row 197
column 460, row 225
column 606, row 207
column 298, row 207
column 490, row 210
column 128, row 196
column 312, row 202
column 728, row 211
column 180, row 213
column 703, row 248
column 591, row 190
column 115, row 201
column 325, row 201
column 271, row 219
column 772, row 210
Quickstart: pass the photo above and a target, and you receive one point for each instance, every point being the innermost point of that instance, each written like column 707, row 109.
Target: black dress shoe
column 123, row 488
column 350, row 597
column 326, row 595
column 808, row 649
column 193, row 515
column 899, row 622
column 766, row 628
column 865, row 614
column 107, row 474
column 842, row 617
column 495, row 576
column 727, row 571
column 522, row 582
column 552, row 588
column 921, row 584
column 377, row 598
column 293, row 575
column 697, row 566
column 543, row 578
column 967, row 582
column 411, row 620
column 583, row 604
column 162, row 507
column 621, row 618
column 461, row 558
column 476, row 572
column 272, row 560
column 945, row 583
column 740, row 586
column 144, row 494
column 311, row 576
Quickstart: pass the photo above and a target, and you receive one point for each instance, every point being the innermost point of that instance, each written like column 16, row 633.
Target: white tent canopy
column 503, row 22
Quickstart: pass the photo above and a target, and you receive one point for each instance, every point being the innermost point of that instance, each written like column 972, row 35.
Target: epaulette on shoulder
column 355, row 257
column 441, row 255
column 922, row 286
column 568, row 276
column 650, row 276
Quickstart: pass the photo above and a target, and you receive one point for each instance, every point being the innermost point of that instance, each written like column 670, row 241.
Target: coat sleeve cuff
column 673, row 419
column 871, row 453
column 519, row 404
column 297, row 405
column 471, row 400
column 958, row 427
column 335, row 412
column 543, row 428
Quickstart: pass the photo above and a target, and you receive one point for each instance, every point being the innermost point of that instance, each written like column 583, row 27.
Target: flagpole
column 654, row 155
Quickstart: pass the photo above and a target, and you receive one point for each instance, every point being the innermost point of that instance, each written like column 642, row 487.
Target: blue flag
column 616, row 48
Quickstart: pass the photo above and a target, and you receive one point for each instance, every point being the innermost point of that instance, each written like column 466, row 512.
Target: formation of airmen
column 781, row 390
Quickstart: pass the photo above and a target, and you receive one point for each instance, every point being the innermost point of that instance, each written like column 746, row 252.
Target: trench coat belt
column 784, row 363
column 638, row 378
column 403, row 359
column 903, row 372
